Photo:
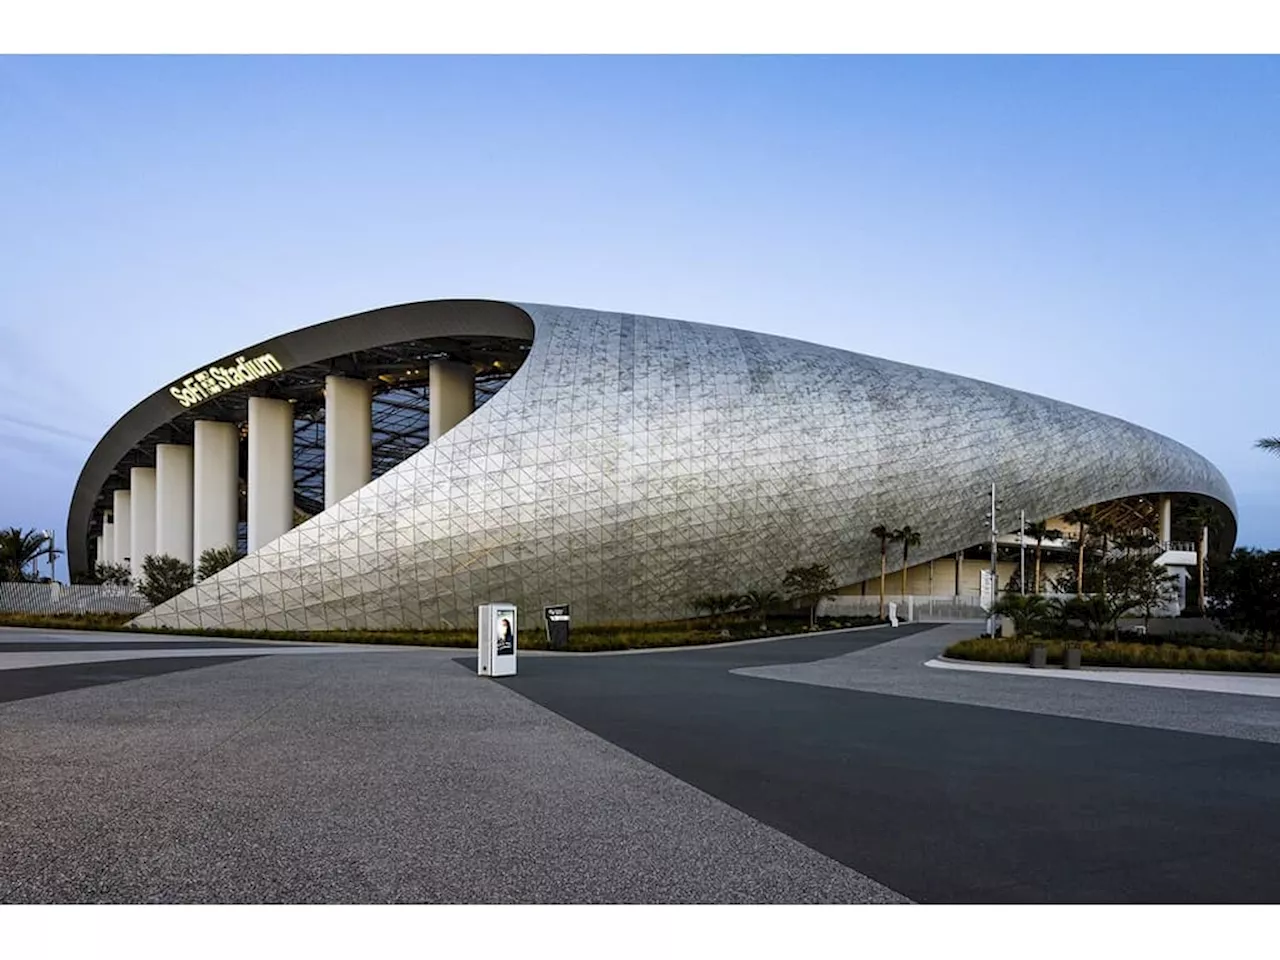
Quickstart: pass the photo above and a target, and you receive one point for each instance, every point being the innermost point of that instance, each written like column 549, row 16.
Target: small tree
column 116, row 574
column 164, row 577
column 1247, row 595
column 812, row 583
column 1144, row 583
column 216, row 559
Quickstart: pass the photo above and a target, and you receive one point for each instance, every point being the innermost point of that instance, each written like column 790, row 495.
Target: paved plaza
column 833, row 768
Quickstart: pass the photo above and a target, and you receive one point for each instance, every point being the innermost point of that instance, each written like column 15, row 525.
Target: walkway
column 1241, row 684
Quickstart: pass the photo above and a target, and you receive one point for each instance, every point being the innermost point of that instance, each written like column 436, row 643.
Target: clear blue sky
column 1099, row 230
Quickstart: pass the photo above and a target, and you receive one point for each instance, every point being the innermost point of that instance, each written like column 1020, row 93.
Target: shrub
column 67, row 621
column 720, row 603
column 116, row 574
column 1029, row 612
column 216, row 559
column 811, row 584
column 163, row 578
column 1161, row 656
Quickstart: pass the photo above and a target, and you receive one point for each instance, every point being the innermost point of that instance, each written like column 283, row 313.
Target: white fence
column 921, row 609
column 76, row 598
column 911, row 608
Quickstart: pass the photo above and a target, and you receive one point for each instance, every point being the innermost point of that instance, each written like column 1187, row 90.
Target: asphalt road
column 26, row 682
column 351, row 775
column 360, row 775
column 943, row 802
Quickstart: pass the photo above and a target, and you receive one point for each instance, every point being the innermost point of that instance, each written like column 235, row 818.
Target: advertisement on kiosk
column 498, row 630
column 504, row 631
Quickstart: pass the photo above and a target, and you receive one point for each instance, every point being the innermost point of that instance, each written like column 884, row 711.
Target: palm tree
column 19, row 548
column 908, row 538
column 1080, row 518
column 1271, row 444
column 1201, row 515
column 885, row 535
column 1039, row 531
column 1027, row 611
column 761, row 601
column 1106, row 529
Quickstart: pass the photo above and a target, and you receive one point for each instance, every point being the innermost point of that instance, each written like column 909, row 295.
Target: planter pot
column 1071, row 658
column 1039, row 656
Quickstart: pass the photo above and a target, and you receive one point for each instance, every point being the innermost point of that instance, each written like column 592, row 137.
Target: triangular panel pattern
column 633, row 462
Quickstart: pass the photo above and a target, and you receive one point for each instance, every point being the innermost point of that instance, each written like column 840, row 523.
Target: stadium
column 397, row 468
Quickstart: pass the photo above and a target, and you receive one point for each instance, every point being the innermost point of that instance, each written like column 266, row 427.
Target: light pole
column 48, row 535
column 991, row 617
column 1022, row 551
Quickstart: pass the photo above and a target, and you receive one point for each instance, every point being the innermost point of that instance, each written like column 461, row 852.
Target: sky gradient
column 1097, row 230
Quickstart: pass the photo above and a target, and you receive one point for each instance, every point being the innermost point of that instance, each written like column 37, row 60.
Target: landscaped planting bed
column 1162, row 656
column 584, row 638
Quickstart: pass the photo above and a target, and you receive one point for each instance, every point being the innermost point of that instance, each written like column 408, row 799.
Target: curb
column 979, row 665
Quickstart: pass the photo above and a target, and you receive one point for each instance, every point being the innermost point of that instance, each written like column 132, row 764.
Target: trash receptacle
column 1071, row 658
column 1039, row 655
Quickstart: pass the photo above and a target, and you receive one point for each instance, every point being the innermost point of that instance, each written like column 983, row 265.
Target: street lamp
column 48, row 536
column 1022, row 551
column 991, row 516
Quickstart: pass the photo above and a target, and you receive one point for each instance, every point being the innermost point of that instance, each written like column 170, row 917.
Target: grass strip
column 588, row 638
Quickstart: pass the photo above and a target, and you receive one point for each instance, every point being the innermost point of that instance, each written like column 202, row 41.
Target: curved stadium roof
column 623, row 463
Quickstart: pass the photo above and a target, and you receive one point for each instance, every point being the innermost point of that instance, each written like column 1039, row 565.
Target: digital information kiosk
column 497, row 640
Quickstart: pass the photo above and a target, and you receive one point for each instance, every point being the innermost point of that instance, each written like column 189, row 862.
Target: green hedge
column 1163, row 656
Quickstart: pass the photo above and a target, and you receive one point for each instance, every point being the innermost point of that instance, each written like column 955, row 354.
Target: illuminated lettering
column 216, row 379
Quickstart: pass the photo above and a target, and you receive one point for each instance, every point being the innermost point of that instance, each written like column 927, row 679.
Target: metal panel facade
column 633, row 462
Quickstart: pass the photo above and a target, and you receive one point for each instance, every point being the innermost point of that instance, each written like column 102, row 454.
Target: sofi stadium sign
column 205, row 384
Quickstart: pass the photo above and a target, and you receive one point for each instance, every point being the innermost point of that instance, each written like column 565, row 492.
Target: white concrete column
column 270, row 470
column 99, row 547
column 452, row 395
column 142, row 517
column 1166, row 519
column 174, row 499
column 215, row 486
column 348, row 437
column 120, row 512
column 108, row 554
